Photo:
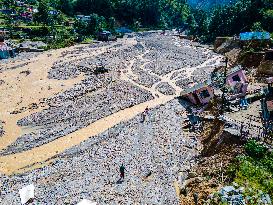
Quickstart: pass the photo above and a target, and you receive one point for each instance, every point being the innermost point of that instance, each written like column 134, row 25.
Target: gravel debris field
column 46, row 138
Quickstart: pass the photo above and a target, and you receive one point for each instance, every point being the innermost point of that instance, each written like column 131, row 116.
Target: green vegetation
column 205, row 24
column 254, row 170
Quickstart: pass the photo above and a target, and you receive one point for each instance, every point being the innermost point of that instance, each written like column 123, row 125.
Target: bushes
column 61, row 43
column 254, row 174
column 255, row 170
column 39, row 31
column 254, row 149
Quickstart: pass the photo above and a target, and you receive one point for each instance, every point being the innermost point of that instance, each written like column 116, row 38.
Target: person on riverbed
column 146, row 111
column 122, row 172
column 144, row 114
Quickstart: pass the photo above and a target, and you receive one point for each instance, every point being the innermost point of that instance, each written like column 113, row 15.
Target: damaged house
column 198, row 93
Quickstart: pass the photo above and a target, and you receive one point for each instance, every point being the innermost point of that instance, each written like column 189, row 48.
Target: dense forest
column 216, row 20
column 204, row 19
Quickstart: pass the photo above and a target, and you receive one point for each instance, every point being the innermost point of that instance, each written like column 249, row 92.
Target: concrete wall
column 192, row 98
column 241, row 75
column 207, row 99
column 201, row 99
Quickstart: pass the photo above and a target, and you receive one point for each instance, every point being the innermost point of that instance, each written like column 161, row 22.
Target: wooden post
column 241, row 130
column 224, row 87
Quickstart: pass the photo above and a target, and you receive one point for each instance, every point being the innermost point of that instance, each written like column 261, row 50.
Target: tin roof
column 234, row 69
column 195, row 87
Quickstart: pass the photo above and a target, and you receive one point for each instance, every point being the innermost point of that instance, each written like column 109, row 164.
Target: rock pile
column 165, row 88
column 144, row 77
column 32, row 46
column 166, row 57
column 155, row 147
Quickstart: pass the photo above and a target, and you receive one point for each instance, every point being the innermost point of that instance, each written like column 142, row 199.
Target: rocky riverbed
column 116, row 79
column 90, row 170
column 68, row 116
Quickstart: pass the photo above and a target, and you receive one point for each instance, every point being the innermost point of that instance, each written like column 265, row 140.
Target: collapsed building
column 199, row 93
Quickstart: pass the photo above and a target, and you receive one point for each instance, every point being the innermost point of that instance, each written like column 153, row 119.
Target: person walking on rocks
column 195, row 198
column 146, row 111
column 122, row 171
column 144, row 114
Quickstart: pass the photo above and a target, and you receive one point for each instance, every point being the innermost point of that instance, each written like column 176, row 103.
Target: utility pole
column 224, row 87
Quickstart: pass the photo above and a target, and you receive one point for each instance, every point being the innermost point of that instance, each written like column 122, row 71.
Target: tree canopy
column 206, row 23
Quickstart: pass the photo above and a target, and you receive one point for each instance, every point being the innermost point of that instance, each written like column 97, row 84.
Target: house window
column 204, row 94
column 236, row 78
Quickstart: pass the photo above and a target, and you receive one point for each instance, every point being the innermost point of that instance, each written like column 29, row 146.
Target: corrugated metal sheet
column 234, row 70
column 196, row 87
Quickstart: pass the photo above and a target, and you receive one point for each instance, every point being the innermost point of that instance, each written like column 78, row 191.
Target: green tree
column 254, row 149
column 43, row 15
column 67, row 7
column 96, row 24
column 257, row 26
column 81, row 27
column 112, row 24
column 100, row 7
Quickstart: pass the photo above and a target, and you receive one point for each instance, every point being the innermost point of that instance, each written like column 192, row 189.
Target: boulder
column 225, row 44
column 227, row 190
column 265, row 68
column 252, row 59
column 265, row 199
column 219, row 41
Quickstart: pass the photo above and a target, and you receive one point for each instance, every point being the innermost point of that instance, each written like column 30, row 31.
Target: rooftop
column 196, row 86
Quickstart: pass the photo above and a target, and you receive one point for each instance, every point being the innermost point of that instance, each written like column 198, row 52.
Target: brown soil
column 210, row 173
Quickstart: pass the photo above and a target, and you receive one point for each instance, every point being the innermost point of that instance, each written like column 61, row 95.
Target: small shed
column 199, row 93
column 4, row 50
column 84, row 18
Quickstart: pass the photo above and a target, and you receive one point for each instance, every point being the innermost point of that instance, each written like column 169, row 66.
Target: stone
column 192, row 174
column 227, row 190
column 240, row 190
column 266, row 200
